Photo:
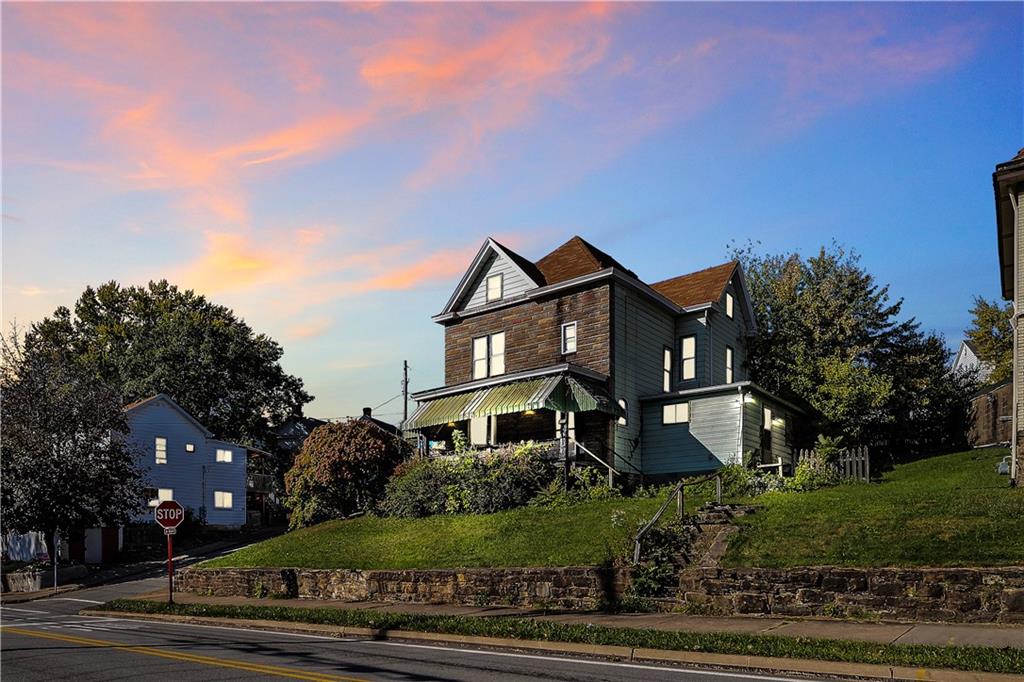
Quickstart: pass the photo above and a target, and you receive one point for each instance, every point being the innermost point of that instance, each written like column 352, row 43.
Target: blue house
column 185, row 463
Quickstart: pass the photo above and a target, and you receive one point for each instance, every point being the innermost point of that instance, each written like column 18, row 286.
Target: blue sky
column 329, row 170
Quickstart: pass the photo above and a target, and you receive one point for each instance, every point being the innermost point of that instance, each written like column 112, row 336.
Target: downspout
column 739, row 433
column 1014, row 320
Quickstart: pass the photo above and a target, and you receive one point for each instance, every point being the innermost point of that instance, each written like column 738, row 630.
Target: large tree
column 831, row 338
column 65, row 462
column 158, row 338
column 992, row 334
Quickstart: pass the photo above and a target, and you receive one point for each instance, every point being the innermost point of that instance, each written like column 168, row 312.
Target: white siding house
column 185, row 463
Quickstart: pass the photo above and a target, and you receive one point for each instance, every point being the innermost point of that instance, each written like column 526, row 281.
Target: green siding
column 707, row 442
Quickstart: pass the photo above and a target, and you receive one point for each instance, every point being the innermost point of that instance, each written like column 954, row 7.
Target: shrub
column 504, row 479
column 341, row 469
column 585, row 484
column 809, row 476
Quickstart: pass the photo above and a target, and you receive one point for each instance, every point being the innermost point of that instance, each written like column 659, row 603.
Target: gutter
column 722, row 388
column 507, row 378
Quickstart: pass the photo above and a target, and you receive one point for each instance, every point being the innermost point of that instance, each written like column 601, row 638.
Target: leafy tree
column 342, row 468
column 65, row 463
column 831, row 338
column 992, row 334
column 158, row 338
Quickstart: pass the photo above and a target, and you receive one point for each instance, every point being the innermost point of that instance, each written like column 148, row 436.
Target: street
column 47, row 640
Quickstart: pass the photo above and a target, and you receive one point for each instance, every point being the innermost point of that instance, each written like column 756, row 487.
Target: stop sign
column 169, row 514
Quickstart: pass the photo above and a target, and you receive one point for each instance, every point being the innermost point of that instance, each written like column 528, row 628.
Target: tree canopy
column 831, row 338
column 992, row 335
column 342, row 468
column 65, row 462
column 158, row 338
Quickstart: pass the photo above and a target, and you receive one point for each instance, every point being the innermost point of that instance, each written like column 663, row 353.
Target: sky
column 329, row 170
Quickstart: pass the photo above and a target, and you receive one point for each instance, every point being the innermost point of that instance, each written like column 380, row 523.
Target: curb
column 615, row 653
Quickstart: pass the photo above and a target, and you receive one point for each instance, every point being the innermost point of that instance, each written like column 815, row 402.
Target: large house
column 184, row 462
column 1008, row 183
column 650, row 378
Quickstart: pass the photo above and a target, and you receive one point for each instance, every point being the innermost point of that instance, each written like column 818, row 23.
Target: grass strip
column 974, row 658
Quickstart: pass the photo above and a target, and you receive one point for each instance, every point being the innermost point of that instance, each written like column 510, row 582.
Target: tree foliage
column 830, row 337
column 158, row 338
column 992, row 335
column 342, row 468
column 65, row 462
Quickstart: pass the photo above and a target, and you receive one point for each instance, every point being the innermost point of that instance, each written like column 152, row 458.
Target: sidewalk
column 157, row 567
column 938, row 634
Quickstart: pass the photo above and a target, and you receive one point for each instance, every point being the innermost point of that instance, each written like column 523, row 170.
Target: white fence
column 853, row 463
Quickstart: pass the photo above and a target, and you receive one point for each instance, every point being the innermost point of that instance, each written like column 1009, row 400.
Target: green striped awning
column 451, row 408
column 559, row 392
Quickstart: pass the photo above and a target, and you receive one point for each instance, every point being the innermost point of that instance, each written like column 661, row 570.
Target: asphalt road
column 46, row 640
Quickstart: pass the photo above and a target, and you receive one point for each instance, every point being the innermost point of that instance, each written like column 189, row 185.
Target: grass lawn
column 951, row 510
column 583, row 535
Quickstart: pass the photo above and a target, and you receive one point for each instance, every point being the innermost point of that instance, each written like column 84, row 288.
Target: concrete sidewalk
column 940, row 634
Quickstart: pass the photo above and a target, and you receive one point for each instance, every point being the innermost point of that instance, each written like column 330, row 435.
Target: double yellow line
column 278, row 671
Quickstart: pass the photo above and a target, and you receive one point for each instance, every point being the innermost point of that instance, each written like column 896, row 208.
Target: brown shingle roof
column 575, row 258
column 527, row 266
column 703, row 286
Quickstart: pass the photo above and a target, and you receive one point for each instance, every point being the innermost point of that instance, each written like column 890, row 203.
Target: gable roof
column 489, row 247
column 696, row 288
column 576, row 258
column 131, row 407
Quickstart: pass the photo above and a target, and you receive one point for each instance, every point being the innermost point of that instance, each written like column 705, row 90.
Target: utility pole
column 405, row 392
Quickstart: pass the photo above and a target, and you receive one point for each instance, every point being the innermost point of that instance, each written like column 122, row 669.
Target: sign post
column 169, row 514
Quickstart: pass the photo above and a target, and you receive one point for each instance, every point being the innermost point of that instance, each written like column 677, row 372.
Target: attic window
column 728, row 305
column 495, row 286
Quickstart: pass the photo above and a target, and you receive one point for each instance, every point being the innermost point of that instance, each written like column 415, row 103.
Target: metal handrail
column 677, row 492
column 611, row 468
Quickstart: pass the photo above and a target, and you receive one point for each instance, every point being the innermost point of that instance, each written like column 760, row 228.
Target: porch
column 570, row 415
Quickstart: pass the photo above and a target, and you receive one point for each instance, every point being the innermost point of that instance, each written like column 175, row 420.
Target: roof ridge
column 588, row 248
column 734, row 261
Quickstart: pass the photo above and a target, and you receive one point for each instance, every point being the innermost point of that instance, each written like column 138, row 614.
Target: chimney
column 367, row 411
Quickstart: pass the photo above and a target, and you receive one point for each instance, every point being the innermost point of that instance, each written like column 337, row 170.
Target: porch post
column 563, row 442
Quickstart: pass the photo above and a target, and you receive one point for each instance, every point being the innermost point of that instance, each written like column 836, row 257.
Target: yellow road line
column 278, row 671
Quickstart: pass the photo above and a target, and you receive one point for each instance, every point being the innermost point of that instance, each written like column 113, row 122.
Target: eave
column 505, row 378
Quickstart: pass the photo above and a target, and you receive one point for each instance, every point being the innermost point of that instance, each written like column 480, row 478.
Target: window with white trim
column 222, row 499
column 489, row 355
column 223, row 455
column 625, row 412
column 495, row 287
column 571, row 424
column 688, row 357
column 568, row 338
column 767, row 416
column 190, row 447
column 666, row 369
column 675, row 413
column 161, row 450
column 728, row 305
column 162, row 495
column 728, row 364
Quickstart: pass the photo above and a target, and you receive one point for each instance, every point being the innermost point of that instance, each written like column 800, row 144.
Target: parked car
column 1003, row 468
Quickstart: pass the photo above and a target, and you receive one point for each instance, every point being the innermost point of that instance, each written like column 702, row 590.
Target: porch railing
column 612, row 471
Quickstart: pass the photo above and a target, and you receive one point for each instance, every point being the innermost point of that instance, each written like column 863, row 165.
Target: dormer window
column 728, row 305
column 495, row 287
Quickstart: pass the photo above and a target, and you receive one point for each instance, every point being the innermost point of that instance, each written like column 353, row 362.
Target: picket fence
column 853, row 463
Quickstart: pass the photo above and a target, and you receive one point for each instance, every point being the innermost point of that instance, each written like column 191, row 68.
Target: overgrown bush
column 341, row 469
column 506, row 478
column 585, row 484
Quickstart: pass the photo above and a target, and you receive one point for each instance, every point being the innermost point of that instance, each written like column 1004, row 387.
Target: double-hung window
column 729, row 305
column 222, row 499
column 495, row 287
column 688, row 357
column 489, row 355
column 223, row 455
column 161, row 450
column 675, row 413
column 568, row 338
column 666, row 369
column 728, row 364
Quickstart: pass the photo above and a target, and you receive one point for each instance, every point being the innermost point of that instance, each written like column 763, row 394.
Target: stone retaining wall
column 970, row 595
column 573, row 587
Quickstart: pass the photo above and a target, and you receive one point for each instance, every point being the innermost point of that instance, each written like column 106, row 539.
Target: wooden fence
column 853, row 463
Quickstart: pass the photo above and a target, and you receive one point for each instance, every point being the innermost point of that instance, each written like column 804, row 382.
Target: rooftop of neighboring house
column 384, row 426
